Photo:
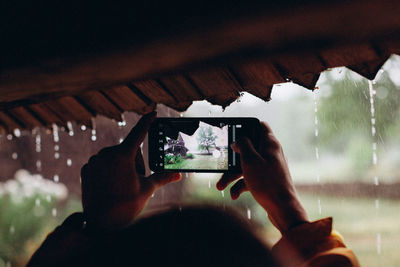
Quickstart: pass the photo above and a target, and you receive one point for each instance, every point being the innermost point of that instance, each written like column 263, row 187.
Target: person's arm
column 266, row 175
column 65, row 246
column 114, row 192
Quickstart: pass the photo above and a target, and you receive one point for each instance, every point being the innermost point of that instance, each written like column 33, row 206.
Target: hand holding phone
column 114, row 186
column 198, row 144
column 266, row 175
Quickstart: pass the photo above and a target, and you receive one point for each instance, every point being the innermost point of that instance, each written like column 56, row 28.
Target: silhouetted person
column 115, row 190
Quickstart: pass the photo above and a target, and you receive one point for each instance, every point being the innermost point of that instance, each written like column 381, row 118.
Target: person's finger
column 246, row 150
column 238, row 188
column 268, row 141
column 139, row 163
column 266, row 128
column 138, row 133
column 226, row 179
column 162, row 178
column 92, row 160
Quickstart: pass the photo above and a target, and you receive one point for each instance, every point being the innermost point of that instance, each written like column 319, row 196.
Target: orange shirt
column 314, row 244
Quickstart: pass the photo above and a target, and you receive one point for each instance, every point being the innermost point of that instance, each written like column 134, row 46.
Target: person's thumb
column 162, row 178
column 246, row 150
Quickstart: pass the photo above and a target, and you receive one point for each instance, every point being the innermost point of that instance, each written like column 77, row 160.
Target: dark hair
column 191, row 236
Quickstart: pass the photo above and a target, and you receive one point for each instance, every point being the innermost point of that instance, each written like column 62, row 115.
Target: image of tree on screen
column 206, row 149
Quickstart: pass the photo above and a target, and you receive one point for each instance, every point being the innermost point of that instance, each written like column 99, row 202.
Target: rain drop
column 83, row 128
column 14, row 155
column 56, row 155
column 56, row 138
column 54, row 212
column 376, row 180
column 37, row 202
column 38, row 165
column 122, row 123
column 121, row 140
column 94, row 137
column 374, row 146
column 249, row 214
column 378, row 243
column 17, row 132
column 222, row 193
column 48, row 198
column 209, row 183
column 374, row 158
column 316, row 134
column 56, row 147
column 69, row 162
column 38, row 142
column 9, row 137
column 56, row 178
column 70, row 129
column 12, row 229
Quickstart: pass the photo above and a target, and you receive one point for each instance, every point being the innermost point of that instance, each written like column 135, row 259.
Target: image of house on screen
column 207, row 148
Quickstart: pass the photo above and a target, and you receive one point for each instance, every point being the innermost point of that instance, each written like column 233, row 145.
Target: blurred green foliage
column 26, row 220
column 170, row 159
column 344, row 112
column 345, row 108
column 21, row 222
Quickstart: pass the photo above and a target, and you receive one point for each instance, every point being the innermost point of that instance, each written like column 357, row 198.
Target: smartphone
column 198, row 144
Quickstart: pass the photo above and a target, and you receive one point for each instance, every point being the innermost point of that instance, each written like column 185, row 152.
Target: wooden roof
column 64, row 62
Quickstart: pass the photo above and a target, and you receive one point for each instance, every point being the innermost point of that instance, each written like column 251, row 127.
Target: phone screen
column 197, row 144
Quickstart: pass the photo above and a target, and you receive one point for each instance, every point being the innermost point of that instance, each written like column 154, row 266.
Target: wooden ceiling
column 65, row 62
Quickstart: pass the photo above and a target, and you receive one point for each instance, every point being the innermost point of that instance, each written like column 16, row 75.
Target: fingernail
column 233, row 145
column 177, row 176
column 219, row 186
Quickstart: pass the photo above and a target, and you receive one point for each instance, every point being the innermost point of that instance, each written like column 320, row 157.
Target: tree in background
column 345, row 116
column 206, row 139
